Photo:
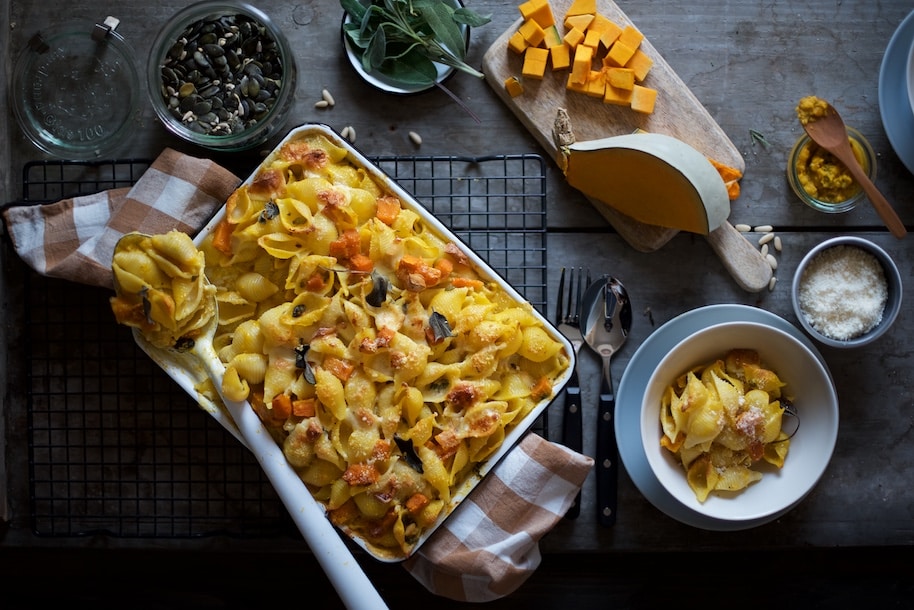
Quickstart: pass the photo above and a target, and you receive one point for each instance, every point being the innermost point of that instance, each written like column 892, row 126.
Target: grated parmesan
column 843, row 292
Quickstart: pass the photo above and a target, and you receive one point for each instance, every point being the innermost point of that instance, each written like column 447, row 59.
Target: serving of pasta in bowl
column 388, row 361
column 739, row 421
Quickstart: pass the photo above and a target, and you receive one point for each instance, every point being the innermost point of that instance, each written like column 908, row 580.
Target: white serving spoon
column 350, row 581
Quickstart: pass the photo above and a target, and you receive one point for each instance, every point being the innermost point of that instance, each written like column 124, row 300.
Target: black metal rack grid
column 116, row 448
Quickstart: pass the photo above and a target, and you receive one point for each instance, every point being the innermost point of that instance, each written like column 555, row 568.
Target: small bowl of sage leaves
column 408, row 46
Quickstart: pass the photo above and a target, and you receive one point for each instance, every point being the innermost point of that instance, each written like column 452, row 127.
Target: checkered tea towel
column 488, row 547
column 74, row 238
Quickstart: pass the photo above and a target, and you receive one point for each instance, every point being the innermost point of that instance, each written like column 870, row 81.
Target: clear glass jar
column 222, row 76
column 803, row 146
column 75, row 90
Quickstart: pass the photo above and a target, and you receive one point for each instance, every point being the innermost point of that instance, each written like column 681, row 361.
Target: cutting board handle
column 743, row 260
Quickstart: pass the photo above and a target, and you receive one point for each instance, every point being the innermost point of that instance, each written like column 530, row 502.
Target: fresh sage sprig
column 404, row 39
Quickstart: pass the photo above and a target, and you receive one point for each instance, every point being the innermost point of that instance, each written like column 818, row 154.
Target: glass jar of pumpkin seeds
column 222, row 76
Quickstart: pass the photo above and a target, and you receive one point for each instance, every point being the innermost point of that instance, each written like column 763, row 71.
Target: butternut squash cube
column 538, row 10
column 532, row 31
column 560, row 57
column 582, row 7
column 621, row 78
column 641, row 64
column 617, row 97
column 513, row 86
column 592, row 39
column 535, row 59
column 552, row 38
column 517, row 43
column 582, row 22
column 581, row 66
column 609, row 29
column 576, row 87
column 596, row 84
column 619, row 54
column 574, row 37
column 631, row 36
column 643, row 99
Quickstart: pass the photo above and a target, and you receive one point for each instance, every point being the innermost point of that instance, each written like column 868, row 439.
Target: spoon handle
column 607, row 451
column 880, row 203
column 339, row 564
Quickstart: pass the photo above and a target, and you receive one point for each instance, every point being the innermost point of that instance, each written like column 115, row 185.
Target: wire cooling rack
column 117, row 448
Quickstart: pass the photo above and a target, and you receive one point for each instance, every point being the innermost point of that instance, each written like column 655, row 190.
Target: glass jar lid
column 75, row 89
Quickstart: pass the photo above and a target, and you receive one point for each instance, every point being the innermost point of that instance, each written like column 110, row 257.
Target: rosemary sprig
column 404, row 39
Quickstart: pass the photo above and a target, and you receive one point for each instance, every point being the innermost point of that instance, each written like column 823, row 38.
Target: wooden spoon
column 830, row 133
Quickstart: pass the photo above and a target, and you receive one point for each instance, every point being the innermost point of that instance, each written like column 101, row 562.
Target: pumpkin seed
column 222, row 75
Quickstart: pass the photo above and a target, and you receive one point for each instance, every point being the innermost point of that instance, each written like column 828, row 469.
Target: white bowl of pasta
column 739, row 421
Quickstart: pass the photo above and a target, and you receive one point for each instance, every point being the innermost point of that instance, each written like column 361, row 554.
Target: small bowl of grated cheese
column 846, row 292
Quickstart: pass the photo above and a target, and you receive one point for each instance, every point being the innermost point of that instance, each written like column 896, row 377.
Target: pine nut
column 328, row 98
column 764, row 239
column 772, row 261
column 772, row 282
column 351, row 134
column 345, row 132
column 743, row 228
column 764, row 250
column 763, row 229
column 321, row 104
column 416, row 138
column 777, row 243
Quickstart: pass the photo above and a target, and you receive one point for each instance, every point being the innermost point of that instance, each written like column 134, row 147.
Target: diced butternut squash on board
column 604, row 59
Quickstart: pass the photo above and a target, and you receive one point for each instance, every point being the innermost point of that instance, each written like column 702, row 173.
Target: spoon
column 606, row 318
column 830, row 133
column 342, row 569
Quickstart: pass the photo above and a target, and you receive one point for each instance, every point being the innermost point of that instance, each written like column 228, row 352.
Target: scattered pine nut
column 772, row 282
column 764, row 250
column 763, row 229
column 764, row 239
column 328, row 98
column 777, row 243
column 743, row 228
column 345, row 132
column 772, row 261
column 321, row 104
column 415, row 138
column 350, row 133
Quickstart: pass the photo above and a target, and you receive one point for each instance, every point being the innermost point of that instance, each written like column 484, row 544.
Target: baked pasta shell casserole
column 388, row 361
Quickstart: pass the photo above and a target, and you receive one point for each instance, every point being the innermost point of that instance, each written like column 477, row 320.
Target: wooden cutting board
column 678, row 113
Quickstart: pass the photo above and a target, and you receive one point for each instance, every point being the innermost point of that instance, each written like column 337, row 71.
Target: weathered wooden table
column 748, row 63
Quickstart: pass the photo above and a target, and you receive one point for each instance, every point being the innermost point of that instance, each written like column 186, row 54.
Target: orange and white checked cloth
column 488, row 547
column 74, row 238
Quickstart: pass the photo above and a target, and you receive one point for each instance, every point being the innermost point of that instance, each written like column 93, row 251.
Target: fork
column 568, row 319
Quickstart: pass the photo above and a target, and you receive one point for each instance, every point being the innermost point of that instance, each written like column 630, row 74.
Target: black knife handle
column 573, row 431
column 607, row 457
